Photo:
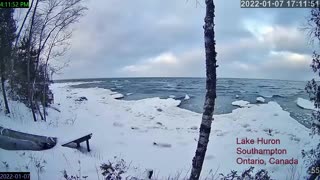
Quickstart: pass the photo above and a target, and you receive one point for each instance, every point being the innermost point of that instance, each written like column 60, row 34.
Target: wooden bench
column 80, row 140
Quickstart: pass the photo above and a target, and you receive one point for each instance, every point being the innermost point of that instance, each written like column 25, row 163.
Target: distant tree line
column 29, row 48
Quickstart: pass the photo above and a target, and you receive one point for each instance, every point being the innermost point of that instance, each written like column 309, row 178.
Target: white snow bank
column 129, row 129
column 305, row 104
column 261, row 100
column 241, row 103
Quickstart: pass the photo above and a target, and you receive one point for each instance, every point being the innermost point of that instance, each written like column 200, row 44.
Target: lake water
column 283, row 92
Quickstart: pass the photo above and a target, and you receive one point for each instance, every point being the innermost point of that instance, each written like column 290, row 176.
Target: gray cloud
column 141, row 38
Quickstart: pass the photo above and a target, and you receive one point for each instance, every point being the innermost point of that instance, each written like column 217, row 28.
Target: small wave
column 183, row 98
column 277, row 96
column 80, row 83
column 271, row 95
column 266, row 95
column 170, row 85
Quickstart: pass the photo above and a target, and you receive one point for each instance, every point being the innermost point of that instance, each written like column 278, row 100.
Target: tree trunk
column 38, row 109
column 7, row 110
column 205, row 127
column 32, row 104
column 44, row 111
column 33, row 112
column 30, row 95
column 44, row 96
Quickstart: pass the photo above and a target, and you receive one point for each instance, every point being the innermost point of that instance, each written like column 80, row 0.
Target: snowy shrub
column 5, row 164
column 69, row 177
column 114, row 171
column 247, row 175
column 38, row 163
column 312, row 158
column 72, row 177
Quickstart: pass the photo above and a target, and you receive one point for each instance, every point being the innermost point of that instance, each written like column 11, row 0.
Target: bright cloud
column 168, row 64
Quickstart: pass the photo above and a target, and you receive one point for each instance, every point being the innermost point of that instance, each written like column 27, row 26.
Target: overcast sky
column 164, row 38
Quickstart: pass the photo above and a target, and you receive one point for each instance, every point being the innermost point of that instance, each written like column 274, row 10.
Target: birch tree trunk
column 205, row 127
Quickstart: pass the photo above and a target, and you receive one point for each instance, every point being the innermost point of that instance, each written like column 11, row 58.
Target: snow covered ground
column 148, row 134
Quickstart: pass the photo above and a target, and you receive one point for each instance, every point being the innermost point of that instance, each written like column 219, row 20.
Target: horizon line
column 91, row 78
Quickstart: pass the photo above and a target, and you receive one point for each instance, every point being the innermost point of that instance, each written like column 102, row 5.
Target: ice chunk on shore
column 117, row 96
column 186, row 97
column 172, row 96
column 261, row 100
column 305, row 104
column 241, row 103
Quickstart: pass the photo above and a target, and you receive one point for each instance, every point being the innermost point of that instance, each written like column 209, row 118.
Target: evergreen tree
column 7, row 37
column 19, row 80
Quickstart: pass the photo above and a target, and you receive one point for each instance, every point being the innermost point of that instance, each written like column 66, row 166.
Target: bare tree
column 22, row 24
column 57, row 38
column 49, row 33
column 211, row 65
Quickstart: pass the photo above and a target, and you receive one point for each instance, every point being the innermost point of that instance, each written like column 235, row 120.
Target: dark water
column 283, row 92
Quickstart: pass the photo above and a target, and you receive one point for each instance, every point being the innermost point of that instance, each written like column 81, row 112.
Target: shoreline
column 136, row 130
column 174, row 89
